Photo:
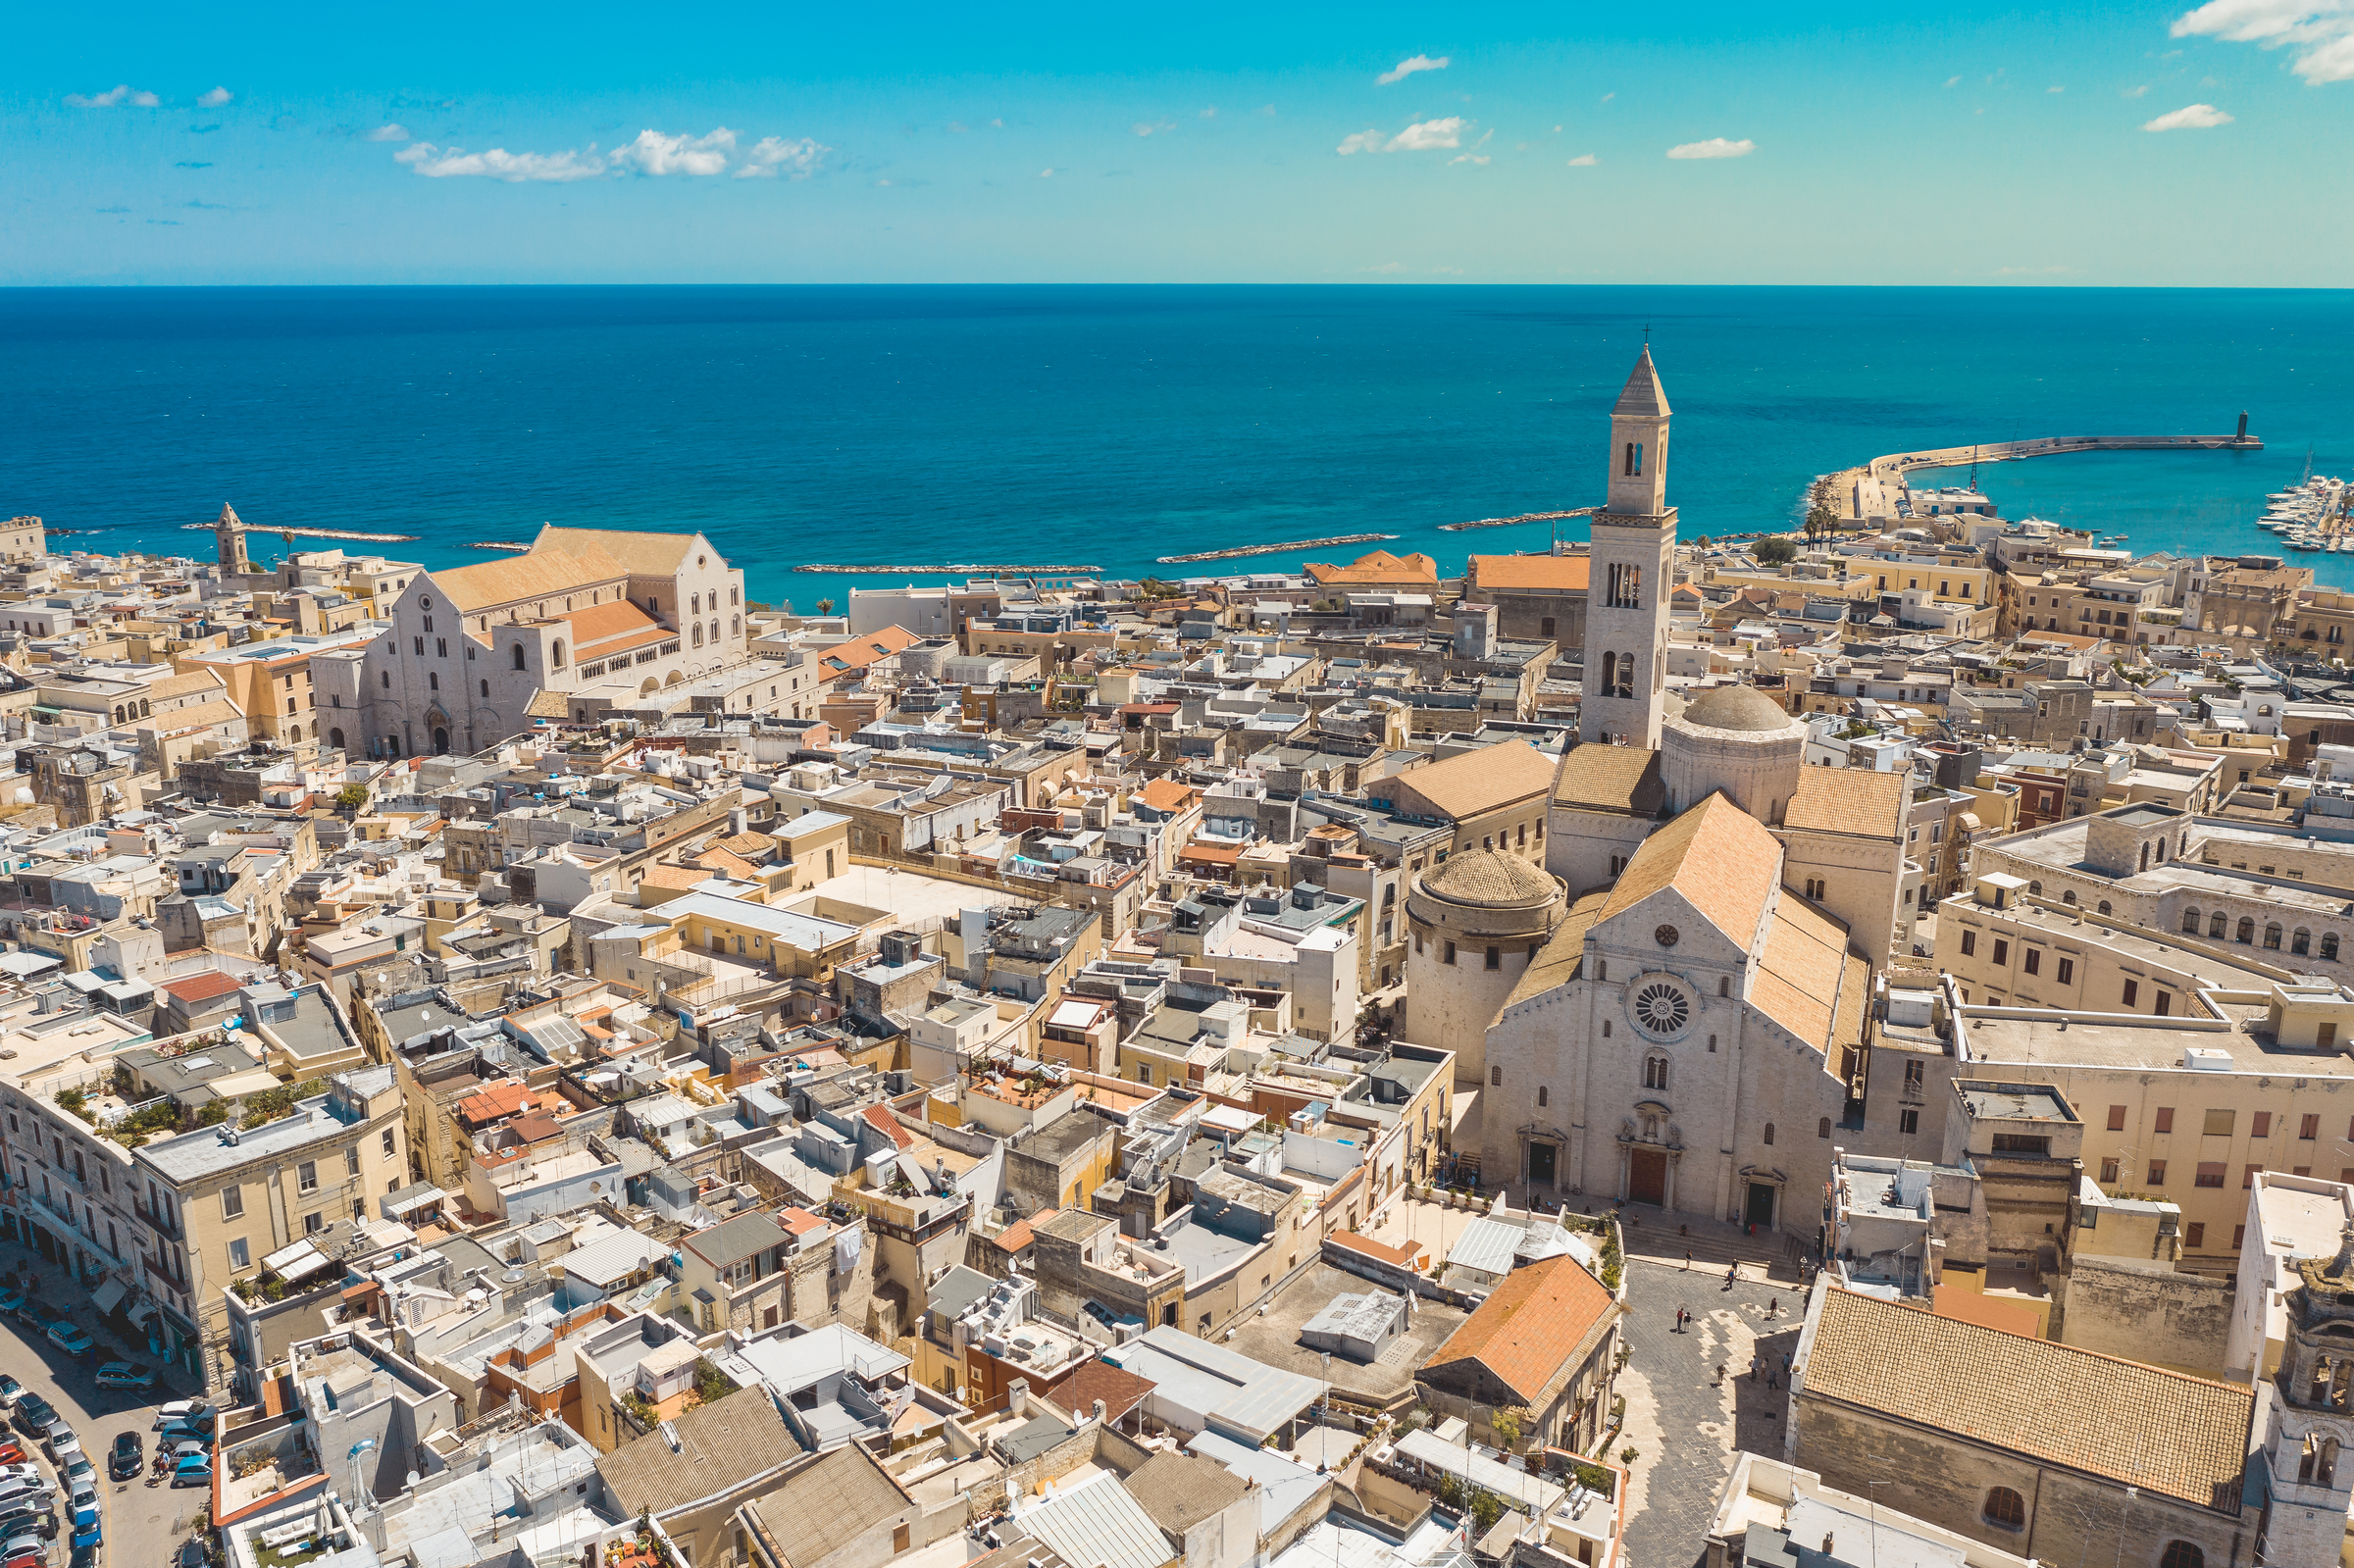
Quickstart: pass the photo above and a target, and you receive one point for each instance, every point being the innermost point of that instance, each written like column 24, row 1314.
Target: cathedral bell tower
column 1634, row 562
column 2307, row 1416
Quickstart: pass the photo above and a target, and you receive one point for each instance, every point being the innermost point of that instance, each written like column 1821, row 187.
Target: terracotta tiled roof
column 1167, row 795
column 1377, row 566
column 1120, row 1389
column 889, row 1126
column 543, row 574
column 2049, row 1402
column 1556, row 963
column 1475, row 783
column 1533, row 1329
column 859, row 652
column 598, row 630
column 1504, row 572
column 1717, row 856
column 180, row 685
column 494, row 1100
column 1801, row 973
column 1849, row 800
column 1621, row 779
column 188, row 989
column 648, row 554
column 679, row 877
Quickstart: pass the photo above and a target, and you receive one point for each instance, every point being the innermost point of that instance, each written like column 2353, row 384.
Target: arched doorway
column 440, row 741
column 335, row 739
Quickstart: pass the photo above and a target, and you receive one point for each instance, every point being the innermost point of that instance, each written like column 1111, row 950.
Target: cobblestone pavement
column 1682, row 1422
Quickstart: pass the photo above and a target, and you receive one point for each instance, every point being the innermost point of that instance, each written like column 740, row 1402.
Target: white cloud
column 394, row 132
column 1953, row 82
column 515, row 168
column 1584, row 161
column 215, row 99
column 2135, row 93
column 113, row 98
column 1428, row 135
column 2055, row 89
column 2194, row 117
column 794, row 157
column 1045, row 173
column 2321, row 31
column 1147, row 127
column 1407, row 67
column 1479, row 158
column 1714, row 147
column 653, row 153
column 1360, row 142
column 1209, row 114
column 1607, row 96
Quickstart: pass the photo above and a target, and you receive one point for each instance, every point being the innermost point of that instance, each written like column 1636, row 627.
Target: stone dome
column 1737, row 707
column 1488, row 878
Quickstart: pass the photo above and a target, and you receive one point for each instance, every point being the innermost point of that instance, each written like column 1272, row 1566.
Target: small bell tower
column 229, row 530
column 2307, row 1416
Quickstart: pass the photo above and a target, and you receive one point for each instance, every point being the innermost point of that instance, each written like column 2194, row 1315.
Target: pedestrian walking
column 1687, row 1260
column 1731, row 1274
column 1773, row 1306
column 1754, row 1368
column 1773, row 1379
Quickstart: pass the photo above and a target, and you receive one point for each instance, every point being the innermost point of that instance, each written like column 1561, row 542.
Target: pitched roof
column 487, row 585
column 1621, row 779
column 1504, row 573
column 203, row 986
column 180, row 685
column 1167, row 795
column 1643, row 396
column 1854, row 802
column 729, row 1440
column 826, row 1506
column 1120, row 1389
column 598, row 630
column 643, row 554
column 1377, row 566
column 1556, row 963
column 1803, row 974
column 732, row 1240
column 2036, row 1397
column 859, row 652
column 1473, row 782
column 1181, row 1489
column 1717, row 856
column 1533, row 1328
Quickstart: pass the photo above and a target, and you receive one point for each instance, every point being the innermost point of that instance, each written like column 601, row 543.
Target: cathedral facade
column 1688, row 1034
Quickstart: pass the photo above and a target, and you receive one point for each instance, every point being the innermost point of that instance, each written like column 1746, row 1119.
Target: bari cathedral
column 1677, row 1005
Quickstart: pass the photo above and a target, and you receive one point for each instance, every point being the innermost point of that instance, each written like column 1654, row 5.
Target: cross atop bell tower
column 1639, row 445
column 1632, row 573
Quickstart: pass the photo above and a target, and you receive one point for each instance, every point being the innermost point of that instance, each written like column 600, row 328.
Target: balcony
column 167, row 1230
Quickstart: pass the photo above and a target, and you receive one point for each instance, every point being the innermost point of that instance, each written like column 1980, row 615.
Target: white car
column 181, row 1410
column 27, row 1473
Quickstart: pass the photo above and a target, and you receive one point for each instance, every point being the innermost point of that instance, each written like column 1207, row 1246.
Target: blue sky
column 1839, row 144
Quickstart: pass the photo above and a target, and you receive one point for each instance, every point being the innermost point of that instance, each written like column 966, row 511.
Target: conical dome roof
column 1737, row 707
column 1489, row 877
column 1642, row 396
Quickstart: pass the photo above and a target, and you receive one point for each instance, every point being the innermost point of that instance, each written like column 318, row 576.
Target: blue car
column 196, row 1470
column 88, row 1536
column 184, row 1432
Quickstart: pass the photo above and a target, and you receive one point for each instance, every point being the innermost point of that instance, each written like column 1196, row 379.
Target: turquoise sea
column 1110, row 425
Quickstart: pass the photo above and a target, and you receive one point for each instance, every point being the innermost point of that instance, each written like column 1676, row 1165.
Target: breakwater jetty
column 497, row 544
column 1524, row 517
column 315, row 533
column 1241, row 550
column 984, row 567
column 1874, row 489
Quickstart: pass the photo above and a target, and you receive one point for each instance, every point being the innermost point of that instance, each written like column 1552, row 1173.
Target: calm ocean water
column 1111, row 425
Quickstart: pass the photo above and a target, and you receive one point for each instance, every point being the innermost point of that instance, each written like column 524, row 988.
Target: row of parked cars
column 28, row 1511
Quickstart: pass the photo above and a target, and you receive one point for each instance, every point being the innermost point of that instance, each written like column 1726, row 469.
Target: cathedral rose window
column 1661, row 1009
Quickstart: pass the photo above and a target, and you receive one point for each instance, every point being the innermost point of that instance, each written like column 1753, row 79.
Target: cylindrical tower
column 1476, row 919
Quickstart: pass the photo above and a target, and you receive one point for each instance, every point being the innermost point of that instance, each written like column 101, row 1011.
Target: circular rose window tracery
column 1662, row 1008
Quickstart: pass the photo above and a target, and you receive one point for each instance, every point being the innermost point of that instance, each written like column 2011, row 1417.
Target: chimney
column 1017, row 1396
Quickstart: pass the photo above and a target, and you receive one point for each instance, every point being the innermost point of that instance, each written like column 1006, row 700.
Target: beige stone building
column 223, row 1201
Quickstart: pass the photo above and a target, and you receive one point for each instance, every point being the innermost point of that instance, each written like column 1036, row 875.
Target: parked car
column 181, row 1410
column 27, row 1549
column 35, row 1412
column 11, row 1301
column 196, row 1470
column 183, row 1431
column 85, row 1508
column 60, row 1439
column 9, row 1389
column 12, row 1452
column 89, row 1538
column 78, row 1471
column 33, row 1314
column 185, row 1449
column 191, row 1553
column 69, row 1338
column 125, row 1374
column 124, row 1459
column 27, row 1478
column 24, row 1509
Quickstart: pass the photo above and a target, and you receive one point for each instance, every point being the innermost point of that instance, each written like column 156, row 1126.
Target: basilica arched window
column 2181, row 1555
column 2302, row 943
column 1654, row 1072
column 2330, row 946
column 2219, row 926
column 2190, row 923
column 2005, row 1509
column 2317, row 1466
